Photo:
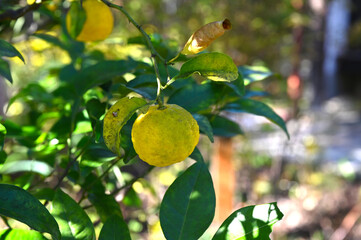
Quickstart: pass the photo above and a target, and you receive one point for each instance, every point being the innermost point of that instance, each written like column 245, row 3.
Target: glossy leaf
column 8, row 50
column 17, row 203
column 74, row 223
column 258, row 108
column 5, row 70
column 20, row 234
column 115, row 228
column 213, row 66
column 224, row 127
column 254, row 73
column 196, row 98
column 188, row 205
column 204, row 125
column 26, row 166
column 116, row 117
column 252, row 222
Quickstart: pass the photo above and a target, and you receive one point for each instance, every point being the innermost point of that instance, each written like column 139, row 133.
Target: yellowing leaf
column 116, row 117
column 204, row 36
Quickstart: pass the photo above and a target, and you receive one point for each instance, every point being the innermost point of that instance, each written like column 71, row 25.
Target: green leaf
column 238, row 86
column 196, row 155
column 20, row 234
column 254, row 73
column 131, row 199
column 106, row 205
column 224, row 127
column 2, row 136
column 204, row 125
column 196, row 98
column 26, row 166
column 260, row 109
column 17, row 203
column 214, row 66
column 188, row 205
column 95, row 108
column 51, row 39
column 115, row 228
column 74, row 223
column 116, row 117
column 77, row 18
column 5, row 70
column 252, row 222
column 7, row 50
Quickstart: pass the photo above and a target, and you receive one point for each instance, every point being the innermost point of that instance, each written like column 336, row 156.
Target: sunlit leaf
column 252, row 222
column 115, row 228
column 17, row 203
column 116, row 117
column 2, row 136
column 188, row 205
column 254, row 73
column 26, row 166
column 204, row 125
column 214, row 66
column 258, row 108
column 20, row 234
column 7, row 50
column 74, row 223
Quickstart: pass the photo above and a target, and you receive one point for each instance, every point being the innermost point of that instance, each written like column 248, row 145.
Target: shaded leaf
column 188, row 205
column 214, row 66
column 74, row 223
column 20, row 234
column 75, row 19
column 224, row 127
column 252, row 222
column 26, row 166
column 51, row 39
column 131, row 199
column 5, row 70
column 17, row 203
column 8, row 50
column 106, row 205
column 260, row 109
column 195, row 97
column 196, row 155
column 204, row 125
column 115, row 228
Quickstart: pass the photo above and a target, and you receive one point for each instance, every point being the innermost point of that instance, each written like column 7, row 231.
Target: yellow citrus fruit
column 98, row 24
column 162, row 137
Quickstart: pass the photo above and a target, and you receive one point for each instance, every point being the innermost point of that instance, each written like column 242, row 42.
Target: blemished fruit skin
column 98, row 24
column 162, row 137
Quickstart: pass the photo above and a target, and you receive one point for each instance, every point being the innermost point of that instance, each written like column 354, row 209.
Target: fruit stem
column 153, row 51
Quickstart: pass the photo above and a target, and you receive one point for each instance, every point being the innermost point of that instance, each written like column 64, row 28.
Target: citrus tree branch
column 15, row 14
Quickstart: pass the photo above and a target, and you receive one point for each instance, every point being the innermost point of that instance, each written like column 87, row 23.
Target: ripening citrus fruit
column 98, row 24
column 162, row 137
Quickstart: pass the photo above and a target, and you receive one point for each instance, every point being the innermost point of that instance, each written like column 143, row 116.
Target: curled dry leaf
column 204, row 36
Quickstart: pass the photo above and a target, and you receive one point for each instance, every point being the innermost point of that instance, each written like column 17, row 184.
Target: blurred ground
column 314, row 177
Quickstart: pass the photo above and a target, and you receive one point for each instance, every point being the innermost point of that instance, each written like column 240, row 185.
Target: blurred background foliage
column 317, row 191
